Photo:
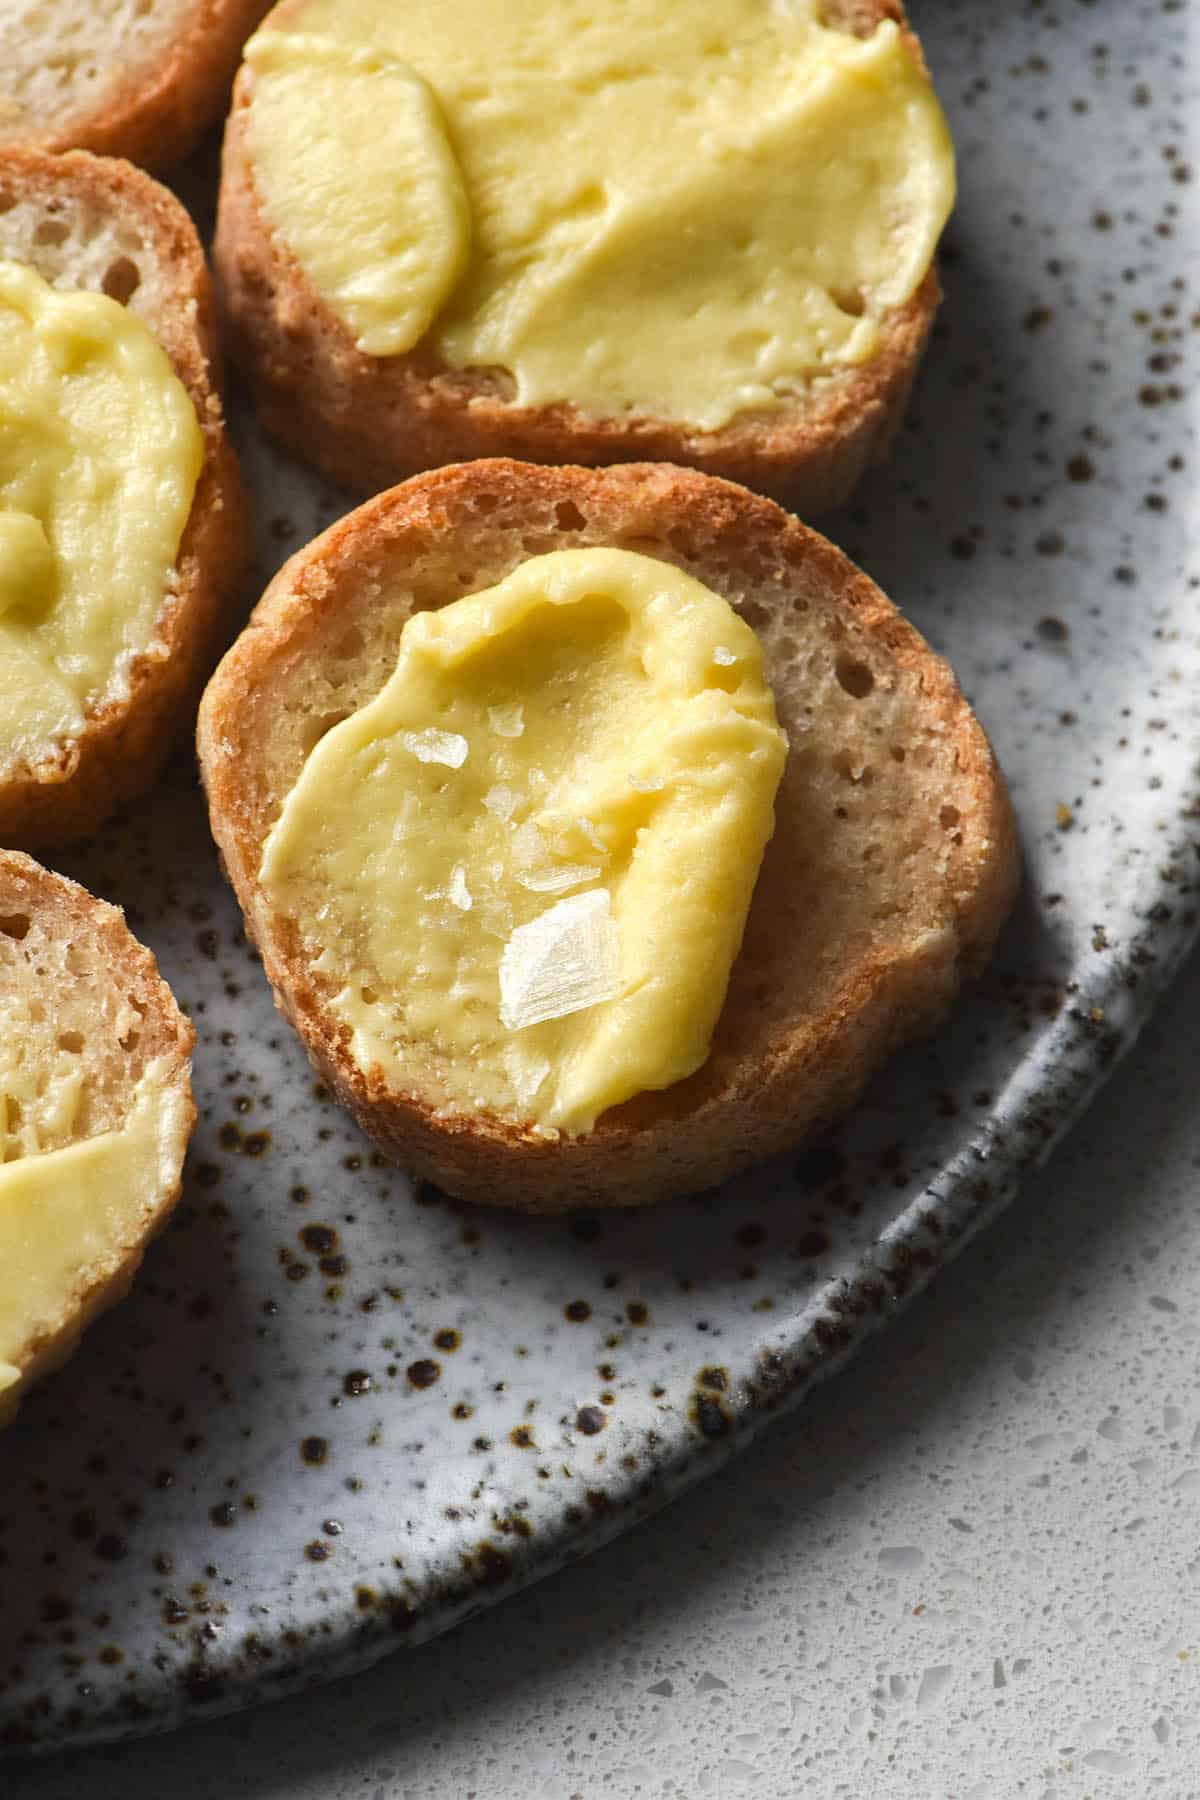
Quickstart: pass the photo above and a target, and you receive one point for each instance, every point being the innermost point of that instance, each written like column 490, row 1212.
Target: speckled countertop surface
column 969, row 1567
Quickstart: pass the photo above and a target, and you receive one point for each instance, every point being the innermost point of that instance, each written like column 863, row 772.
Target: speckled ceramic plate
column 337, row 1416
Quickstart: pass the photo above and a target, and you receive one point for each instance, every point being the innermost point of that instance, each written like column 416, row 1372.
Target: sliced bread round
column 88, row 222
column 367, row 421
column 135, row 78
column 893, row 865
column 84, row 1016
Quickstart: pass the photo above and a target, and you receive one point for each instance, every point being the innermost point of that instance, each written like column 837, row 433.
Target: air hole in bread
column 14, row 925
column 131, row 1040
column 569, row 516
column 850, row 769
column 315, row 729
column 369, row 996
column 122, row 279
column 71, row 1041
column 854, row 677
column 7, row 200
column 350, row 644
column 898, row 753
column 852, row 301
column 949, row 817
column 51, row 231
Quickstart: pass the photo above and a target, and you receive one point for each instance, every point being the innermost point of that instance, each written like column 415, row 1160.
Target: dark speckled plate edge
column 1051, row 1092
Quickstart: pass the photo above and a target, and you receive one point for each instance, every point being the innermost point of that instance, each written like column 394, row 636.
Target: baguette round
column 88, row 222
column 893, row 865
column 367, row 421
column 72, row 973
column 136, row 78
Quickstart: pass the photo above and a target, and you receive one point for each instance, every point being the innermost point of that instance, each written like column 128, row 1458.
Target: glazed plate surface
column 336, row 1416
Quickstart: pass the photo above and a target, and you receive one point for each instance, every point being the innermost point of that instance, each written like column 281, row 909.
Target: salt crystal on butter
column 507, row 721
column 501, row 801
column 562, row 962
column 433, row 746
column 558, row 879
column 526, row 1074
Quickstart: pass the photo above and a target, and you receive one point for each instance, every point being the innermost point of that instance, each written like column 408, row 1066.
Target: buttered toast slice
column 95, row 1114
column 702, row 233
column 135, row 78
column 892, row 865
column 81, row 225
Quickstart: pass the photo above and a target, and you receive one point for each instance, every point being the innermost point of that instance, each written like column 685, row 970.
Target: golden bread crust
column 123, row 745
column 879, row 892
column 368, row 421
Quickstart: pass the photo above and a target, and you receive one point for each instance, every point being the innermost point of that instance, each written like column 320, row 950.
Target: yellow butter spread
column 525, row 866
column 66, row 1213
column 399, row 199
column 100, row 449
column 686, row 211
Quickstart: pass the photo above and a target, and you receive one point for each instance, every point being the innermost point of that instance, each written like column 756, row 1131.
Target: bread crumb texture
column 79, row 1018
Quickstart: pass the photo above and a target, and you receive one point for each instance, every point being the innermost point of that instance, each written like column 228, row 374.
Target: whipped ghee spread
column 684, row 211
column 67, row 1213
column 100, row 450
column 525, row 866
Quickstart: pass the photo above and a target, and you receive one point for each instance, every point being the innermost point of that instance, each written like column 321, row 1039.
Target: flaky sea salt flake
column 592, row 835
column 562, row 962
column 507, row 721
column 559, row 879
column 525, row 1073
column 501, row 801
column 433, row 746
column 528, row 846
column 459, row 893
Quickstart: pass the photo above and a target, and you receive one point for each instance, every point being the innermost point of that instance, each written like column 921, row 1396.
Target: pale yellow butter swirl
column 524, row 868
column 69, row 1216
column 100, row 450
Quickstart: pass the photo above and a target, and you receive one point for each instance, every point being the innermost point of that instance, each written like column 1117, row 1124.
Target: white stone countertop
column 967, row 1568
